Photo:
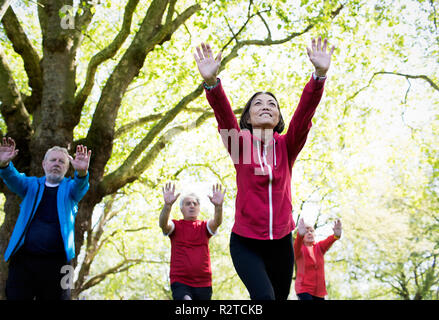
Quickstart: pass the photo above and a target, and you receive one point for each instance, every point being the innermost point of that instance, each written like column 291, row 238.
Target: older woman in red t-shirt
column 310, row 279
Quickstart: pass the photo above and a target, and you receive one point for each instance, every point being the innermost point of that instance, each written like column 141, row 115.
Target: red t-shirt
column 190, row 257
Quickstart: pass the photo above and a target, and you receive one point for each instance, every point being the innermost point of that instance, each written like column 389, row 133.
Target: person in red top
column 261, row 243
column 310, row 279
column 190, row 274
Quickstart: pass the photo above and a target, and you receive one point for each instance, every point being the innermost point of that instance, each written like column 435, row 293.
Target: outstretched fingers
column 204, row 52
column 169, row 186
column 317, row 45
column 8, row 142
column 218, row 188
column 198, row 55
column 207, row 50
column 82, row 153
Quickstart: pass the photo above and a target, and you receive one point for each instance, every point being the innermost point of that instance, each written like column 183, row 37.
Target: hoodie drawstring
column 259, row 156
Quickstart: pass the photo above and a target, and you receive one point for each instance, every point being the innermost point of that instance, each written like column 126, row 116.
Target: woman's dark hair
column 245, row 115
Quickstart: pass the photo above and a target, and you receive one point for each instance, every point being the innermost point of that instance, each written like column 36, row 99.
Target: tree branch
column 124, row 175
column 125, row 172
column 31, row 59
column 198, row 165
column 82, row 21
column 4, row 5
column 93, row 237
column 136, row 123
column 12, row 108
column 153, row 117
column 171, row 11
column 105, row 54
column 122, row 266
column 407, row 76
column 151, row 33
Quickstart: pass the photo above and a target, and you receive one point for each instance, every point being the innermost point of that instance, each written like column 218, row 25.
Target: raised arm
column 208, row 66
column 301, row 230
column 301, row 122
column 328, row 242
column 169, row 198
column 217, row 200
column 16, row 181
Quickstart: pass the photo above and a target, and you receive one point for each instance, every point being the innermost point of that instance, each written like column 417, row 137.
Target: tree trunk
column 12, row 209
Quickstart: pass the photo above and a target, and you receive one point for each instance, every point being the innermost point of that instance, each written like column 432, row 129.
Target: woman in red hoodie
column 310, row 280
column 261, row 243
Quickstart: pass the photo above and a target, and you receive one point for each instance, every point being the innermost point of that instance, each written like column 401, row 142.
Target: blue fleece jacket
column 31, row 189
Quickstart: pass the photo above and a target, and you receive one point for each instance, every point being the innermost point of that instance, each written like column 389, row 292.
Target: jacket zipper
column 270, row 195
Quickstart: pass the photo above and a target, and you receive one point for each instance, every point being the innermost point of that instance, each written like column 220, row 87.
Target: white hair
column 189, row 195
column 56, row 148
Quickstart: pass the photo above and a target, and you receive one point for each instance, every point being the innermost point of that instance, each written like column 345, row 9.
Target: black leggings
column 307, row 296
column 180, row 290
column 264, row 266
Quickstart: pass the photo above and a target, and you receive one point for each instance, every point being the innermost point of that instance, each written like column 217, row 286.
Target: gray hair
column 57, row 148
column 191, row 195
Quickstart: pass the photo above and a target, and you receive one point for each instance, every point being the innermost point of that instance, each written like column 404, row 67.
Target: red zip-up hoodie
column 263, row 207
column 310, row 276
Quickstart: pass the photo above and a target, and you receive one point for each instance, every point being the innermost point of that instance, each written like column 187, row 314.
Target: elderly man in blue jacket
column 42, row 241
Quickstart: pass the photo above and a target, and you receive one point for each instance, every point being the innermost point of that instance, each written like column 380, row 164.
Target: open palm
column 217, row 197
column 81, row 161
column 169, row 195
column 337, row 228
column 7, row 151
column 208, row 66
column 319, row 57
column 301, row 228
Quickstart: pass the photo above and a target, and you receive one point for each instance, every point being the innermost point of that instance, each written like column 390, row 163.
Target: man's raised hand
column 81, row 161
column 217, row 197
column 169, row 195
column 7, row 151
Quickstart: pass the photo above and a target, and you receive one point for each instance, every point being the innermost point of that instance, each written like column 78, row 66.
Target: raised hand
column 217, row 197
column 301, row 228
column 319, row 57
column 208, row 66
column 7, row 151
column 337, row 228
column 81, row 161
column 169, row 195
